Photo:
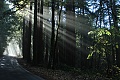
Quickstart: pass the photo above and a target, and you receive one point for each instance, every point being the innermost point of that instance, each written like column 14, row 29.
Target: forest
column 77, row 35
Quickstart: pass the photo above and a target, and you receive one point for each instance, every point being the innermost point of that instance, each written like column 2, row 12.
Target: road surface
column 11, row 70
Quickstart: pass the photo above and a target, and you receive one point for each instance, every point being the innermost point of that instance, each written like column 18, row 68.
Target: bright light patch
column 13, row 49
column 10, row 4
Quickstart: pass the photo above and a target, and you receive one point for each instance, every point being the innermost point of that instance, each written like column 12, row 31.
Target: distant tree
column 70, row 45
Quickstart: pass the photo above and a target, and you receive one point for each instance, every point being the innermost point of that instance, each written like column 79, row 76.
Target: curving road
column 11, row 70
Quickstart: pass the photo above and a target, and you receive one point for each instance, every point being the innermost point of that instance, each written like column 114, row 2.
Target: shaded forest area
column 78, row 35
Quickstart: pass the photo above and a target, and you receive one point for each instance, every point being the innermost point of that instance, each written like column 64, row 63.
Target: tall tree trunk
column 56, row 47
column 35, row 35
column 115, row 21
column 29, row 37
column 40, row 36
column 70, row 34
column 111, row 38
column 23, row 39
column 51, row 63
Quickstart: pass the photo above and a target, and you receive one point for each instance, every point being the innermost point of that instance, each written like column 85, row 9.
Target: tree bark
column 35, row 35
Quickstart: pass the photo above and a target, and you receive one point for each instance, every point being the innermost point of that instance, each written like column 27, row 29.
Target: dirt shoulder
column 49, row 74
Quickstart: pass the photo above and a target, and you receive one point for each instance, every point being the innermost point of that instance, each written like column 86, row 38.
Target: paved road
column 11, row 70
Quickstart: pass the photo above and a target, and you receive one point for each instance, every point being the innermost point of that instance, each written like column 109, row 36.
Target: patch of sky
column 10, row 4
column 118, row 2
column 93, row 5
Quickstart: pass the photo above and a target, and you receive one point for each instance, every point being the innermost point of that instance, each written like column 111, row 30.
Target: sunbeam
column 13, row 49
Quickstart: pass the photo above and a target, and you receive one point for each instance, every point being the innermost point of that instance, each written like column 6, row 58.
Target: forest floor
column 49, row 74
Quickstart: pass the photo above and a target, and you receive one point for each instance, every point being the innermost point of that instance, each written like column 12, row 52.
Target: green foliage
column 101, row 40
column 9, row 26
column 90, row 55
column 105, row 42
column 17, row 5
